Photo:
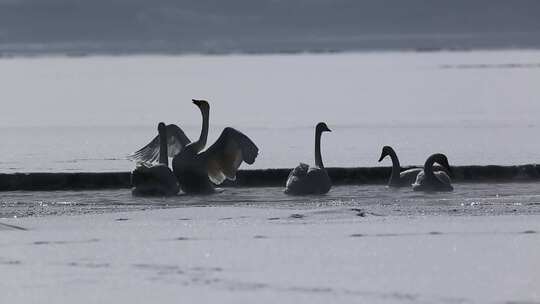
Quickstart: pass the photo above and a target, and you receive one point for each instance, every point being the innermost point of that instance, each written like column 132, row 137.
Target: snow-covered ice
column 268, row 255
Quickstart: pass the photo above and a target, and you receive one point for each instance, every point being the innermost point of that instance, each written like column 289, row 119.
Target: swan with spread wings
column 197, row 170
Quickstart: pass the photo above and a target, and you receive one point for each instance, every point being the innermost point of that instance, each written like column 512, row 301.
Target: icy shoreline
column 264, row 255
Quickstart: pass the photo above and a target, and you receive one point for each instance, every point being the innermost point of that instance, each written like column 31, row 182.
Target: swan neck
column 163, row 153
column 396, row 167
column 428, row 166
column 318, row 157
column 201, row 143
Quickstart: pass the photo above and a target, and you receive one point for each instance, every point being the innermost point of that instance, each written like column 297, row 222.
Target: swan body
column 191, row 172
column 197, row 171
column 307, row 180
column 397, row 178
column 429, row 180
column 157, row 180
column 310, row 180
column 408, row 177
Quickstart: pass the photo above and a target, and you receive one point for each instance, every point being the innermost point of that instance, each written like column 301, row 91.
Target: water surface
column 367, row 200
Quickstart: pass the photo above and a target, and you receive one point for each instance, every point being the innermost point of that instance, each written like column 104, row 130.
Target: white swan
column 197, row 171
column 156, row 180
column 397, row 178
column 310, row 180
column 428, row 180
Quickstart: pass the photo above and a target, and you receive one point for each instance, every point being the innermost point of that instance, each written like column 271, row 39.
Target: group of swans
column 433, row 177
column 315, row 180
column 197, row 171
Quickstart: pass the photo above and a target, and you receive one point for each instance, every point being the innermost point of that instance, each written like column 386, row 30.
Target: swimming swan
column 310, row 180
column 428, row 180
column 156, row 180
column 397, row 178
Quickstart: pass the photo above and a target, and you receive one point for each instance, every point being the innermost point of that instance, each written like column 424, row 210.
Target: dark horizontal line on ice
column 260, row 177
column 4, row 226
column 24, row 51
column 492, row 66
column 440, row 233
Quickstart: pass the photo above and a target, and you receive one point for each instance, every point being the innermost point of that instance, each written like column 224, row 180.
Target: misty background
column 81, row 27
column 373, row 88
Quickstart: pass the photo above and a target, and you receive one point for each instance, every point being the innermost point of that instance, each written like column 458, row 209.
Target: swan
column 397, row 178
column 428, row 180
column 310, row 180
column 197, row 170
column 159, row 179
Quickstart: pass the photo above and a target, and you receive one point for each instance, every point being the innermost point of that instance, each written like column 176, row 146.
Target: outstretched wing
column 176, row 141
column 223, row 158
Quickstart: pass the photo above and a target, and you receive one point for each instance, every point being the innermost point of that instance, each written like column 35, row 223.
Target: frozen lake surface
column 267, row 255
column 87, row 114
column 256, row 245
column 100, row 149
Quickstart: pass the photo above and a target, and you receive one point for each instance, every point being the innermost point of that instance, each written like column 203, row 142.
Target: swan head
column 322, row 127
column 442, row 160
column 202, row 104
column 386, row 150
column 161, row 127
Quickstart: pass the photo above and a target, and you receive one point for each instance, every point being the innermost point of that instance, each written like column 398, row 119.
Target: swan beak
column 201, row 103
column 382, row 157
